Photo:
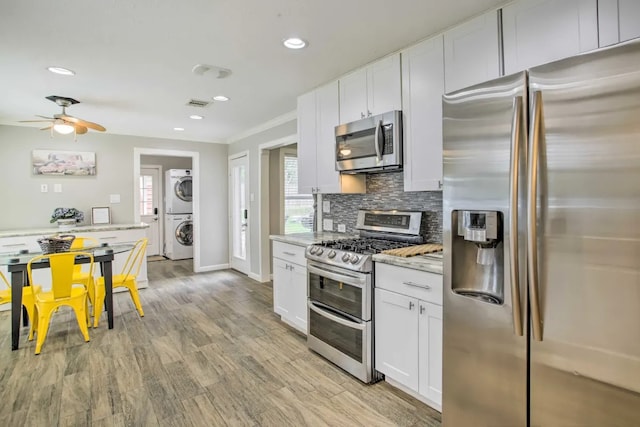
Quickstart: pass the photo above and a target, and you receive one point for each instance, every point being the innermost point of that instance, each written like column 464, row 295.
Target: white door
column 239, row 213
column 149, row 206
column 430, row 351
column 396, row 339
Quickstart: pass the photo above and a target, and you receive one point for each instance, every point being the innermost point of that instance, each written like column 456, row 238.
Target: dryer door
column 182, row 188
column 184, row 233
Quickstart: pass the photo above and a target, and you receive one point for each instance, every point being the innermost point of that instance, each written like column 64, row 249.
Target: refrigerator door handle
column 532, row 241
column 516, row 129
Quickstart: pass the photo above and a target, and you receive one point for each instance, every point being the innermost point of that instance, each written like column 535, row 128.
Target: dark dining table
column 16, row 263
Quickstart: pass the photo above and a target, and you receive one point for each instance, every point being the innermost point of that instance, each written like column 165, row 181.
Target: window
column 298, row 208
column 146, row 195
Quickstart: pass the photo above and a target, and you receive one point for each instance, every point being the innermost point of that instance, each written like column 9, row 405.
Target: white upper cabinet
column 328, row 179
column 372, row 90
column 307, row 143
column 539, row 31
column 618, row 21
column 317, row 119
column 471, row 52
column 422, row 90
column 353, row 96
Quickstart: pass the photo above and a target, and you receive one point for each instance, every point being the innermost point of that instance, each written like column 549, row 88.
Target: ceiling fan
column 64, row 123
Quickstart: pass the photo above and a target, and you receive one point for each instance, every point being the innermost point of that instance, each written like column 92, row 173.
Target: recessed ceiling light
column 294, row 43
column 178, row 129
column 220, row 98
column 60, row 70
column 196, row 117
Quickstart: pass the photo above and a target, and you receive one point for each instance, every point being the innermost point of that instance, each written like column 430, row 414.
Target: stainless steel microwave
column 373, row 144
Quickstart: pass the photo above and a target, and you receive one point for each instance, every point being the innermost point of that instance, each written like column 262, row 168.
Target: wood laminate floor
column 209, row 351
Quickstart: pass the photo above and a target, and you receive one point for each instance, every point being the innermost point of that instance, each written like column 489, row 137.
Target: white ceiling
column 133, row 59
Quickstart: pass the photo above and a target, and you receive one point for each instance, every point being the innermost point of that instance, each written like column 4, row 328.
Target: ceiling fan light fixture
column 62, row 71
column 63, row 128
column 178, row 129
column 220, row 98
column 294, row 43
column 196, row 117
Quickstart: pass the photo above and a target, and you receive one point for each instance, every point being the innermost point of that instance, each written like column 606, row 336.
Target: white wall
column 24, row 206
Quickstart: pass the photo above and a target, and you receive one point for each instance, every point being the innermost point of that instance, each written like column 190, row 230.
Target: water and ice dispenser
column 478, row 255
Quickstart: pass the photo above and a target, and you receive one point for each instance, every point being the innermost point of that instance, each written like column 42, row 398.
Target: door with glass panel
column 149, row 202
column 239, row 213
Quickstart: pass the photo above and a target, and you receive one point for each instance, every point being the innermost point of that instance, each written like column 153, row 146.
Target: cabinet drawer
column 289, row 252
column 415, row 283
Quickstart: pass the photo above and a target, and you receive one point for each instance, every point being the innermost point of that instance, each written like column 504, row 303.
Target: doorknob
column 245, row 213
column 155, row 212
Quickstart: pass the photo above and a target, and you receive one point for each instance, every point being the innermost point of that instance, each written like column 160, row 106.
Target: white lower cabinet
column 290, row 285
column 408, row 330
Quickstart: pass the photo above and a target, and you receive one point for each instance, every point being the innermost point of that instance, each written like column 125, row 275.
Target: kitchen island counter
column 73, row 230
column 430, row 263
column 306, row 239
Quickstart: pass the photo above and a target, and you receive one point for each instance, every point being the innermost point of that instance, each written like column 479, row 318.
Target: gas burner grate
column 364, row 246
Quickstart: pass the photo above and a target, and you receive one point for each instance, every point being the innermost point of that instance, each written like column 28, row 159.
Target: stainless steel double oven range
column 340, row 288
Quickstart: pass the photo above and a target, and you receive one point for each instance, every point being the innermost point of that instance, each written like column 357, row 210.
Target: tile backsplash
column 385, row 191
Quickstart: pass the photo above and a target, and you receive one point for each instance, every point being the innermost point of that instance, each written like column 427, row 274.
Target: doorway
column 239, row 221
column 150, row 200
column 155, row 156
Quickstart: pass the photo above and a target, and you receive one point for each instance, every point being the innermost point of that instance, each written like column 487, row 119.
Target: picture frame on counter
column 100, row 215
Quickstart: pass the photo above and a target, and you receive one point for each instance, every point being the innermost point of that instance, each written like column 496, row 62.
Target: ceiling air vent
column 198, row 103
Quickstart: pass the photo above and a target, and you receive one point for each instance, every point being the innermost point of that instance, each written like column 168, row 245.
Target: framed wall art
column 100, row 215
column 56, row 162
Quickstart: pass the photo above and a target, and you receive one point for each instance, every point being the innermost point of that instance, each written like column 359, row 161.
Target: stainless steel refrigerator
column 541, row 207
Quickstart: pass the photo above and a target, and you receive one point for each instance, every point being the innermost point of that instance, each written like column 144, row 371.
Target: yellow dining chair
column 126, row 278
column 27, row 297
column 63, row 292
column 81, row 275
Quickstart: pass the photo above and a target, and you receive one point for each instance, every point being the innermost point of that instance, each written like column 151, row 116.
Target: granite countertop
column 306, row 239
column 431, row 263
column 79, row 229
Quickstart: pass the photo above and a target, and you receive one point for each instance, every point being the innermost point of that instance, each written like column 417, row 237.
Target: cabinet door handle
column 291, row 267
column 417, row 285
column 361, row 115
column 421, row 309
column 14, row 245
column 368, row 113
column 289, row 253
column 411, row 304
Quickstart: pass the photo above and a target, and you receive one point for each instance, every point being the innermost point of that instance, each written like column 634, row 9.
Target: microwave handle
column 376, row 140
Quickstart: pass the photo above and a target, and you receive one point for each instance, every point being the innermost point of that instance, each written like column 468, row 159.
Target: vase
column 66, row 223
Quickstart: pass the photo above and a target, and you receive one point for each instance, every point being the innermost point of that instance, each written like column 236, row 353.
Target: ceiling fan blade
column 33, row 121
column 84, row 123
column 48, row 127
column 80, row 129
column 45, row 117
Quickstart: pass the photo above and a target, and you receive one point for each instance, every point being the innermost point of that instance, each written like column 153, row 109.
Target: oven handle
column 344, row 322
column 339, row 277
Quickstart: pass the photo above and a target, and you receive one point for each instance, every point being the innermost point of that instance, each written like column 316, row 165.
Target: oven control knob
column 319, row 251
column 355, row 259
column 346, row 257
column 331, row 254
column 313, row 250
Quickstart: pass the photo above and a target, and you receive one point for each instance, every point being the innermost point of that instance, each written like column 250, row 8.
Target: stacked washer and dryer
column 178, row 240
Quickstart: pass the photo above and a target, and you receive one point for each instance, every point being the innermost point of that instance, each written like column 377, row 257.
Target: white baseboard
column 258, row 278
column 206, row 268
column 412, row 393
